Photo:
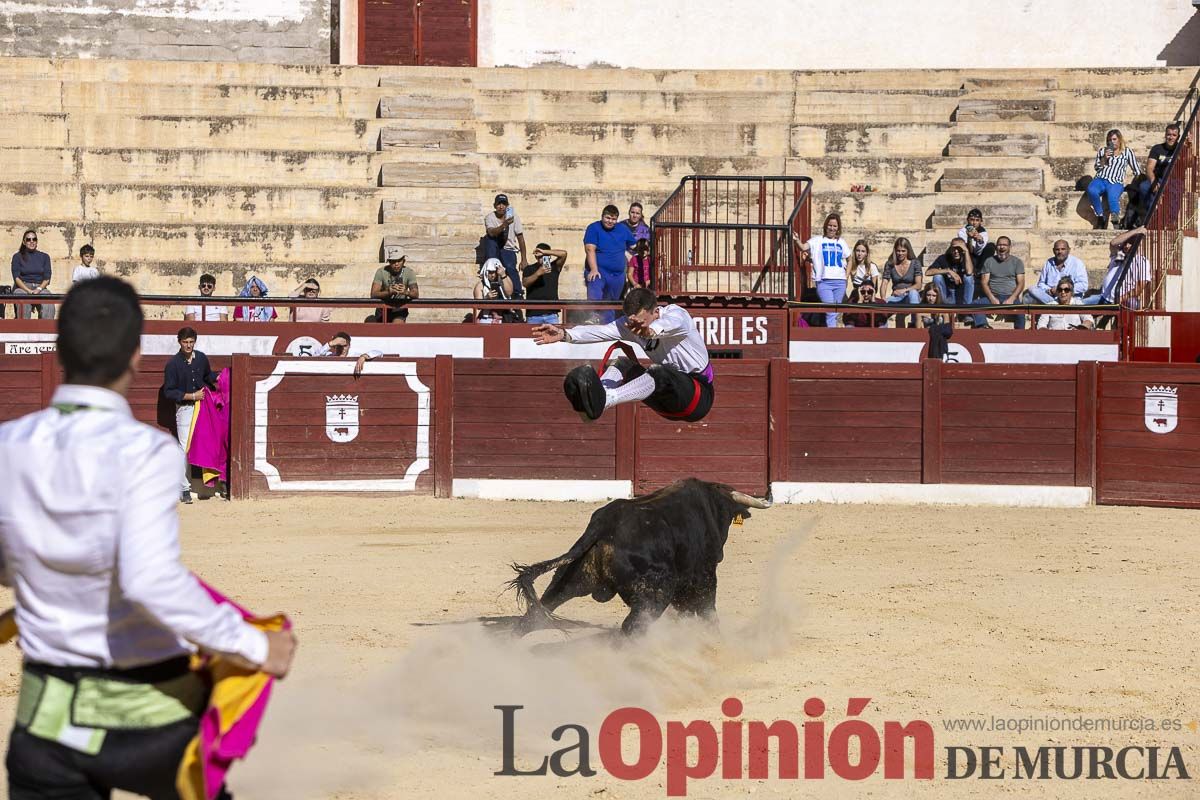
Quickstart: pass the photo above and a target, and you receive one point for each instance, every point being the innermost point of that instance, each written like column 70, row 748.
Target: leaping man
column 678, row 385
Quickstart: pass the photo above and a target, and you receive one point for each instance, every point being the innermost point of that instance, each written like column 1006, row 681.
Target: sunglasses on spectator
column 208, row 286
column 309, row 290
column 31, row 238
column 1064, row 289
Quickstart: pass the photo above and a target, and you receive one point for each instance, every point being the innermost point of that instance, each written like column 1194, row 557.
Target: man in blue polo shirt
column 606, row 243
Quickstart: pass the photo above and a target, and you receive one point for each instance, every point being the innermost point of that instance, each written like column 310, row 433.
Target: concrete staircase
column 173, row 169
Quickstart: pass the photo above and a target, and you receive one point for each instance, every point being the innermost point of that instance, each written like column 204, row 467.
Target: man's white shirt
column 675, row 341
column 207, row 313
column 89, row 541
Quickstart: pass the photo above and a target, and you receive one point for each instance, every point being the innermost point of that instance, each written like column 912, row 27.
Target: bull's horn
column 748, row 500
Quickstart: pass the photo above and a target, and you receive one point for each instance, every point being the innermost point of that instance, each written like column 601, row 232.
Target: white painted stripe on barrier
column 815, row 352
column 420, row 346
column 527, row 348
column 504, row 489
column 1014, row 353
column 953, row 494
column 211, row 344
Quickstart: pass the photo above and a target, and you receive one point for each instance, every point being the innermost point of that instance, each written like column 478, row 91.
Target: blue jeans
column 831, row 290
column 542, row 319
column 911, row 298
column 607, row 287
column 1099, row 188
column 1036, row 294
column 981, row 319
column 958, row 294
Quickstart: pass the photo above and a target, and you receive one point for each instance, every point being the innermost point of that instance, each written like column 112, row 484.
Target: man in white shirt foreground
column 107, row 615
column 679, row 385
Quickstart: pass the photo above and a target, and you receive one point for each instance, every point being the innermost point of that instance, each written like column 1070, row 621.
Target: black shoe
column 185, row 497
column 584, row 391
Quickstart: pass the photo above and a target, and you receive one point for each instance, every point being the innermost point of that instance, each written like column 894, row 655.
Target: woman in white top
column 85, row 270
column 862, row 269
column 829, row 254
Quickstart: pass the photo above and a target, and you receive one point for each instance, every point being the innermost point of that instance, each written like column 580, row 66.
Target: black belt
column 147, row 673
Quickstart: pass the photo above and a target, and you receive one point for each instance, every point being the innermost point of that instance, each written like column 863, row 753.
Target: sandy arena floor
column 933, row 613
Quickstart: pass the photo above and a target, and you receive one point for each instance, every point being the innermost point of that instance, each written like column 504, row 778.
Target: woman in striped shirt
column 1112, row 162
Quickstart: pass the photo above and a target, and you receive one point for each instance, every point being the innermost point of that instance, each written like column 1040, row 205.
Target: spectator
column 976, row 237
column 184, row 378
column 1113, row 161
column 1064, row 290
column 940, row 325
column 310, row 290
column 541, row 282
column 829, row 254
column 931, row 295
column 396, row 284
column 31, row 275
column 85, row 271
column 953, row 273
column 605, row 242
column 638, row 275
column 636, row 223
column 1138, row 273
column 863, row 295
column 1001, row 282
column 505, row 239
column 902, row 279
column 254, row 288
column 1157, row 165
column 862, row 269
column 493, row 284
column 1062, row 263
column 339, row 346
column 206, row 313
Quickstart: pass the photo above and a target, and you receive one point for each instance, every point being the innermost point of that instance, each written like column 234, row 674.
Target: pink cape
column 229, row 726
column 209, row 446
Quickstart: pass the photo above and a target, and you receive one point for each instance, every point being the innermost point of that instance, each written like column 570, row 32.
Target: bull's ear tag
column 738, row 519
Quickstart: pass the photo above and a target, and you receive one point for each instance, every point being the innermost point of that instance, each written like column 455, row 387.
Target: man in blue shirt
column 605, row 243
column 184, row 379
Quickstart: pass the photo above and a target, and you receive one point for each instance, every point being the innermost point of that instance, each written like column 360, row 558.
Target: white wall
column 828, row 34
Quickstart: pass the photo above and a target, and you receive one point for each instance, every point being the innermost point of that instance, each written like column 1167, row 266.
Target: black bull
column 655, row 551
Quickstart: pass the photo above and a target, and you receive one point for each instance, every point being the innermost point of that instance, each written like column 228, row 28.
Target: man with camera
column 541, row 281
column 395, row 284
column 494, row 285
column 505, row 239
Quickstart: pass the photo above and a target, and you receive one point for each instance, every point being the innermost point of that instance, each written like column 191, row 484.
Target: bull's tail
column 527, row 594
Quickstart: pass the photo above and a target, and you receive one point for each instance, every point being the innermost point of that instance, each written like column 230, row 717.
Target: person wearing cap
column 395, row 284
column 493, row 284
column 505, row 240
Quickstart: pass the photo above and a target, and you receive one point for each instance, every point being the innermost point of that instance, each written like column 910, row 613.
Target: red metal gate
column 433, row 33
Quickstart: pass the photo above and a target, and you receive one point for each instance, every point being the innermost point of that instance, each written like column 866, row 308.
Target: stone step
column 983, row 179
column 1030, row 84
column 1009, row 215
column 441, row 140
column 187, row 72
column 41, row 96
column 280, row 244
column 605, row 106
column 644, row 138
column 208, row 131
column 878, row 140
column 177, row 166
column 426, row 106
column 325, row 205
column 999, row 144
column 1037, row 110
column 464, row 174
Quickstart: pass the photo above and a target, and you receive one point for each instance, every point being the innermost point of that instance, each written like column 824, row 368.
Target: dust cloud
column 442, row 692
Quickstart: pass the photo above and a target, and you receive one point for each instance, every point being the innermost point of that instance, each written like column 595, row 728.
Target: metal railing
column 731, row 236
column 1170, row 218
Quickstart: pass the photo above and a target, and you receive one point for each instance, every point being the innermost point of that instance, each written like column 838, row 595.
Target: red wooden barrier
column 1148, row 447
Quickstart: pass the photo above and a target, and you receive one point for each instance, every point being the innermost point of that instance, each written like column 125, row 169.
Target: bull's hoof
column 584, row 391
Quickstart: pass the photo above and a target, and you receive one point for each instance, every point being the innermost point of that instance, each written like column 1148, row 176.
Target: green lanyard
column 71, row 408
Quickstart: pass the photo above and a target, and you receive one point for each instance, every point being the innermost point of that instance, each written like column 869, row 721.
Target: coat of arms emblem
column 1162, row 408
column 341, row 417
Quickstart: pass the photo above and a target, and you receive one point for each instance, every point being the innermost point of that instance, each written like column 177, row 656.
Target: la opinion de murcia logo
column 341, row 417
column 1162, row 408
